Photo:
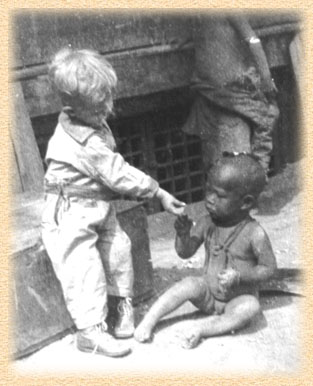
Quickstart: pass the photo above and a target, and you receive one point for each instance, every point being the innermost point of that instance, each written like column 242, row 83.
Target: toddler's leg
column 190, row 288
column 238, row 312
column 71, row 245
column 115, row 249
column 77, row 264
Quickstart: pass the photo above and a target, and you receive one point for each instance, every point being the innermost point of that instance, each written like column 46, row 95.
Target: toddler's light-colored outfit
column 90, row 253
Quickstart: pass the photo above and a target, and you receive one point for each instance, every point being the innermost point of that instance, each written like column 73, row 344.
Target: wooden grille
column 154, row 143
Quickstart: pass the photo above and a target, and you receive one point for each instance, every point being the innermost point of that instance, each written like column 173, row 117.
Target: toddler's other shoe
column 124, row 326
column 96, row 339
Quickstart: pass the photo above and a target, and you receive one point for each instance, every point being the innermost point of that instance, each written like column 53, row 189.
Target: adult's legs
column 190, row 288
column 238, row 312
column 223, row 131
column 234, row 134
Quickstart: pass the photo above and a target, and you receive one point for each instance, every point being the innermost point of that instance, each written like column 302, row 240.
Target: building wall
column 153, row 57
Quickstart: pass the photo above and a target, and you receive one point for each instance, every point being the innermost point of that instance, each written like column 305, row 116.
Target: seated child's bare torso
column 240, row 247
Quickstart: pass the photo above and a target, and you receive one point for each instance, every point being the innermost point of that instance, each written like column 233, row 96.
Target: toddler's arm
column 114, row 172
column 185, row 244
column 170, row 203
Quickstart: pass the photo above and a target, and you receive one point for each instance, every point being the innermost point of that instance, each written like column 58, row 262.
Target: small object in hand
column 227, row 278
column 180, row 211
column 183, row 224
column 254, row 40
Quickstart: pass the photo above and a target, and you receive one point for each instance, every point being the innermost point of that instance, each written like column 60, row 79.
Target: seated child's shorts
column 210, row 304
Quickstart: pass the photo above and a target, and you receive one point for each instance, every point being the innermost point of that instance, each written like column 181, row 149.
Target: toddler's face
column 223, row 202
column 93, row 114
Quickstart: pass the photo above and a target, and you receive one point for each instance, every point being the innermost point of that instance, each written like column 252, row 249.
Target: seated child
column 90, row 253
column 238, row 252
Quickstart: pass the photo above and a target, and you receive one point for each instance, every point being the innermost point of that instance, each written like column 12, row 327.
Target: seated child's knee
column 195, row 287
column 253, row 305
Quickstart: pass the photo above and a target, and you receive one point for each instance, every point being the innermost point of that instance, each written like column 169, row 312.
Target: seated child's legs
column 237, row 313
column 191, row 288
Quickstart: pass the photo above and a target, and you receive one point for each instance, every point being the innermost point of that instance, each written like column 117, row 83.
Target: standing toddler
column 90, row 253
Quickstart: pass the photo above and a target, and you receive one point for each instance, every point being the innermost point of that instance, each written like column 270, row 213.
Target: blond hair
column 83, row 78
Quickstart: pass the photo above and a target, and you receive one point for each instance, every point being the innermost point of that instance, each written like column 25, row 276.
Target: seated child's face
column 224, row 199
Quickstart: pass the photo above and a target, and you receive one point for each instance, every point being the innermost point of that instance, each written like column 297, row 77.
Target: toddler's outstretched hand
column 170, row 203
column 183, row 225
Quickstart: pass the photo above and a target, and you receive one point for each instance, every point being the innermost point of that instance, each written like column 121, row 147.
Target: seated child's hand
column 183, row 225
column 228, row 278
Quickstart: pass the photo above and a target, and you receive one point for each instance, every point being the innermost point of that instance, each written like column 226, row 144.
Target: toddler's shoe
column 97, row 340
column 124, row 326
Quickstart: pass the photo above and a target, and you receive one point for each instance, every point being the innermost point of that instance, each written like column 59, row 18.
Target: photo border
column 304, row 375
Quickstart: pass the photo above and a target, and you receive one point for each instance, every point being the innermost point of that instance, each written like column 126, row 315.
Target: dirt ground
column 269, row 345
